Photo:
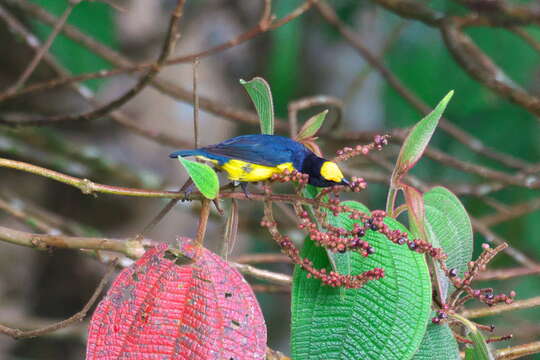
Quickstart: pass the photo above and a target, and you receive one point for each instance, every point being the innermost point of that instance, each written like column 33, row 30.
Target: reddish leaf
column 187, row 307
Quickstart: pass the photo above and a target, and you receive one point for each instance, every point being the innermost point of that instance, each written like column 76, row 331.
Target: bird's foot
column 243, row 186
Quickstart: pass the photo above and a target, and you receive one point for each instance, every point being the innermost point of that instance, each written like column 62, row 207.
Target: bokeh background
column 305, row 57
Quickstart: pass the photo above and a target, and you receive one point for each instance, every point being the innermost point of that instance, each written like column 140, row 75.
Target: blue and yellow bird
column 251, row 158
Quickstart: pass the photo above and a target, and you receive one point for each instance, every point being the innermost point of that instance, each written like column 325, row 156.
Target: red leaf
column 164, row 307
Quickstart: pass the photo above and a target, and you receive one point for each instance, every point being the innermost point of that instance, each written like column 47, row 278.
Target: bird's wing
column 254, row 149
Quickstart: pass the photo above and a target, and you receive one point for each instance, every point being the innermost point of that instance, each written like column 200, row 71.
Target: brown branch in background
column 398, row 136
column 203, row 221
column 25, row 218
column 231, row 231
column 516, row 352
column 161, row 84
column 78, row 317
column 305, row 103
column 89, row 187
column 498, row 309
column 266, row 275
column 271, row 289
column 358, row 82
column 262, row 258
column 511, row 212
column 168, row 47
column 30, row 39
column 75, row 33
column 195, row 106
column 528, row 38
column 491, row 237
column 130, row 248
column 412, row 9
column 354, row 40
column 504, row 274
column 45, row 47
column 117, row 115
column 480, row 67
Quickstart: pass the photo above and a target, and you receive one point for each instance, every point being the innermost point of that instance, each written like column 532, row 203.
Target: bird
column 252, row 158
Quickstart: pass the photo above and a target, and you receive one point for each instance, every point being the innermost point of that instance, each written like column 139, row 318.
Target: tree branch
column 24, row 334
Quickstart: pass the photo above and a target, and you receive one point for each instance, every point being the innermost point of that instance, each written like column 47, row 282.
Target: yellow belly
column 239, row 170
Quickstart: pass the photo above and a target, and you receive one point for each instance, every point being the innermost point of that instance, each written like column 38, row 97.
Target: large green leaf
column 418, row 139
column 203, row 176
column 448, row 226
column 385, row 319
column 438, row 344
column 259, row 92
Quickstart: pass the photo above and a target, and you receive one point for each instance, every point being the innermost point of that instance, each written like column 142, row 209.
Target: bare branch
column 170, row 40
column 498, row 309
column 24, row 334
column 516, row 352
column 45, row 47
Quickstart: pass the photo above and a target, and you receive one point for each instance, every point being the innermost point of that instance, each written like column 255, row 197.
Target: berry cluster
column 379, row 141
column 463, row 285
column 287, row 175
column 330, row 278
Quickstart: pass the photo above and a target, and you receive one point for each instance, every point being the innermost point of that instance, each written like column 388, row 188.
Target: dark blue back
column 268, row 150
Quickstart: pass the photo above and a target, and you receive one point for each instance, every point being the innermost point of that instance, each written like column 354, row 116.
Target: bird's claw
column 243, row 186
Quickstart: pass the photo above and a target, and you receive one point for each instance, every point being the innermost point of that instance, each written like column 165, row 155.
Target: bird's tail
column 184, row 153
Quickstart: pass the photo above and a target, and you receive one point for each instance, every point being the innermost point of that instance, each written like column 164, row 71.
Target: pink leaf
column 187, row 307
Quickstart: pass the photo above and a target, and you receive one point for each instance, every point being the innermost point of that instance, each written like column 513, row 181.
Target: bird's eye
column 331, row 172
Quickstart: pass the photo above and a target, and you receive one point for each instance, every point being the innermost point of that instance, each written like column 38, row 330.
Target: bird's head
column 322, row 172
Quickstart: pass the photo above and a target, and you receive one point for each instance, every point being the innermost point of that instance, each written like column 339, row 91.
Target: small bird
column 251, row 158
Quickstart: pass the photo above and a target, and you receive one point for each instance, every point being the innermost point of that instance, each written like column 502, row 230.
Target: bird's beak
column 345, row 182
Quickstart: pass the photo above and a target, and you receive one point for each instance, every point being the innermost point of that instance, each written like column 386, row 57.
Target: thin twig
column 28, row 219
column 269, row 276
column 130, row 248
column 22, row 334
column 511, row 212
column 262, row 258
column 498, row 309
column 504, row 274
column 305, row 103
column 492, row 237
column 203, row 221
column 518, row 351
column 170, row 41
column 195, row 106
column 528, row 38
column 354, row 40
column 45, row 47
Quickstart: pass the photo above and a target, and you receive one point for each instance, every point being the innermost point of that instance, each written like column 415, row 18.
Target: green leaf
column 311, row 126
column 479, row 349
column 259, row 92
column 448, row 226
column 418, row 139
column 203, row 176
column 385, row 319
column 438, row 344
